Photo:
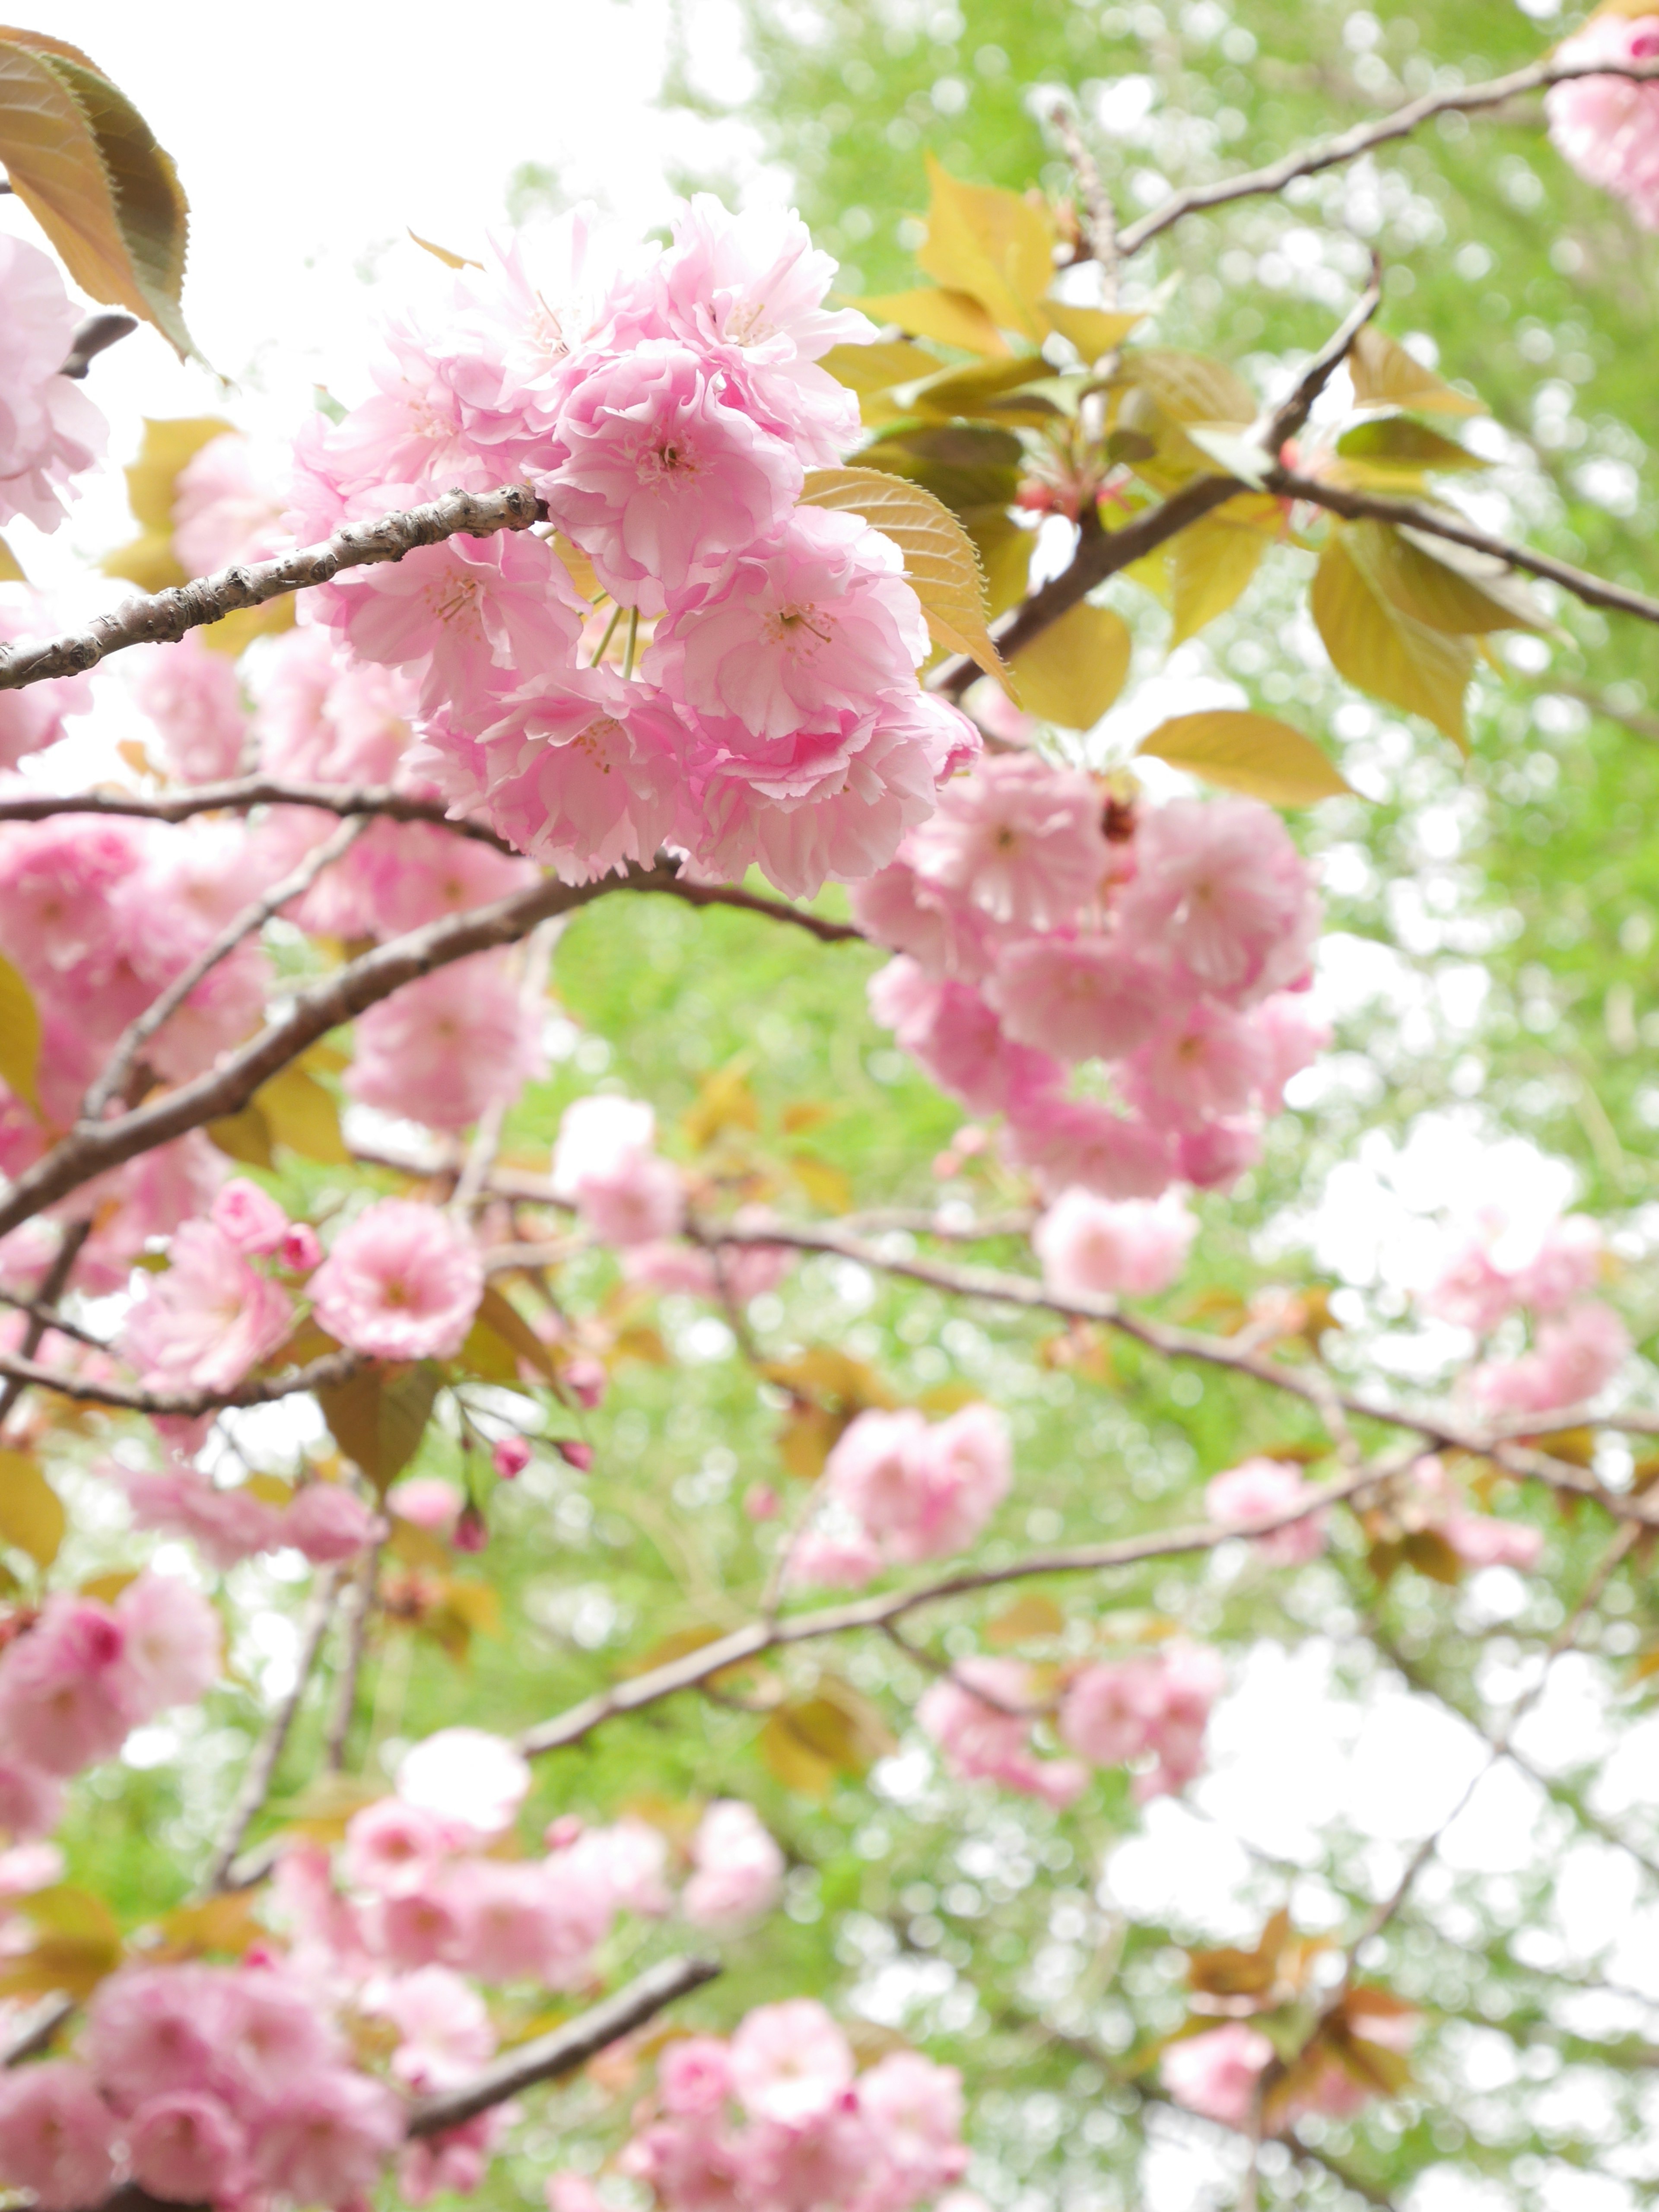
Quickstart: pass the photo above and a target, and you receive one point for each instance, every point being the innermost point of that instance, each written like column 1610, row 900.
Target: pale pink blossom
column 950, row 1028
column 1080, row 998
column 428, row 1502
column 444, row 2025
column 524, row 1921
column 1567, row 1262
column 789, row 2062
column 598, row 1136
column 694, row 2076
column 323, row 718
column 412, row 872
column 226, row 507
column 190, row 694
column 1572, row 1359
column 1085, row 1142
column 50, row 430
column 26, row 1868
column 662, row 475
column 1018, row 839
column 174, row 1643
column 68, row 1693
column 57, row 2134
column 581, row 771
column 1607, row 127
column 1220, row 891
column 249, row 1216
column 403, row 1282
column 1291, row 1037
column 914, row 2108
column 153, row 2029
column 1203, row 1065
column 691, row 2165
column 466, row 1774
column 1481, row 1539
column 922, row 1491
column 811, row 627
column 940, row 930
column 834, row 1559
column 749, row 1271
column 1214, row 1154
column 417, row 1927
column 225, row 1525
column 1122, row 1710
column 987, row 1737
column 395, row 1849
column 633, row 1857
column 33, row 718
column 574, row 2192
column 210, row 1319
column 1217, row 2073
column 454, row 2159
column 185, row 2147
column 737, row 1868
column 1255, row 1490
column 446, row 1046
column 1089, row 1247
column 639, row 1200
column 326, row 2137
column 330, row 1523
column 31, row 1800
column 818, row 2164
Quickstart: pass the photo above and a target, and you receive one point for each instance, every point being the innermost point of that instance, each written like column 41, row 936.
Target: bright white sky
column 310, row 141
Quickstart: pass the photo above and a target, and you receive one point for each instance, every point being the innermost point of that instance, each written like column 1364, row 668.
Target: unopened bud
column 511, row 1457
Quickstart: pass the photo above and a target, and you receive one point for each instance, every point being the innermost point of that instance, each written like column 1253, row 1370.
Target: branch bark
column 187, row 1405
column 243, row 793
column 163, row 618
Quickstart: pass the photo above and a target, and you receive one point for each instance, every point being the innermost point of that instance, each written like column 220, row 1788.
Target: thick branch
column 564, row 2048
column 1348, row 145
column 164, row 616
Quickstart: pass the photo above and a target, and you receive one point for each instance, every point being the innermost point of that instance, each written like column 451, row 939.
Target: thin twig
column 240, row 795
column 53, row 1284
column 487, row 1137
column 1098, row 226
column 165, row 617
column 1293, row 411
column 1348, row 145
column 187, row 1405
column 111, row 1082
column 357, row 1608
column 262, row 1765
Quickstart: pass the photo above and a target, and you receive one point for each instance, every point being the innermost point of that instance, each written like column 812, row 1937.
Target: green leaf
column 1256, row 754
column 502, row 1337
column 951, row 318
column 1070, row 672
column 999, row 387
column 809, row 1741
column 996, row 245
column 1380, row 649
column 1092, row 332
column 300, row 1113
column 245, row 1136
column 1448, row 587
column 20, row 1035
column 1390, row 453
column 939, row 559
column 378, row 1417
column 1385, row 374
column 879, row 367
column 1210, row 561
column 30, row 1511
column 86, row 165
column 1191, row 388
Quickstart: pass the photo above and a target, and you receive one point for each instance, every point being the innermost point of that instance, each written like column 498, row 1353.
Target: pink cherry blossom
column 151, row 2030
column 412, row 872
column 428, row 1502
column 1084, row 1142
column 789, row 2062
column 942, row 933
column 226, row 507
column 662, row 474
column 326, row 2137
column 1077, row 998
column 225, row 1525
column 208, row 1319
column 1121, row 1709
column 185, row 2147
column 922, row 1491
column 1567, row 1262
column 1481, row 1539
column 57, row 2135
column 455, row 2158
column 50, row 431
column 190, row 694
column 596, row 1135
column 1201, row 1066
column 959, row 1039
column 445, row 2028
column 694, row 2076
column 1091, row 1248
column 26, row 1868
column 403, row 1282
column 813, row 2166
column 393, row 1848
column 174, row 1643
column 1255, row 1490
column 68, row 1691
column 816, row 625
column 1220, row 890
column 1018, row 839
column 987, row 1737
column 573, row 2192
column 249, row 1216
column 640, row 1201
column 1606, row 126
column 834, row 1559
column 32, row 719
column 1572, row 1359
column 31, row 1800
column 330, row 1523
column 634, row 1860
column 1217, row 2074
column 737, row 1868
column 323, row 718
column 446, row 1046
column 1292, row 1036
column 914, row 2108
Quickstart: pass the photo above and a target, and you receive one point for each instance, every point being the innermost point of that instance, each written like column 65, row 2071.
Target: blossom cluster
column 903, row 1490
column 1578, row 1343
column 777, row 2118
column 50, row 430
column 1150, row 1711
column 666, row 408
column 1608, row 126
column 79, row 1674
column 1221, row 2071
column 1039, row 926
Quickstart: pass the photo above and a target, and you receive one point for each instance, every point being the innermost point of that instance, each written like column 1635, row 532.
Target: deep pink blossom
column 957, row 1038
column 208, row 1319
column 1607, row 127
column 57, row 2135
column 1080, row 998
column 31, row 1800
column 1084, row 1142
column 403, row 1282
column 1018, row 839
column 50, row 430
column 326, row 2137
column 1091, row 1248
column 186, row 2148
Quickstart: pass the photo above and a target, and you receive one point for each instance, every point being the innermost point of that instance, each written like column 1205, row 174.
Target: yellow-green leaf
column 1383, row 650
column 951, row 318
column 809, row 1741
column 30, row 1511
column 995, row 245
column 1191, row 388
column 299, row 1113
column 20, row 1035
column 501, row 1328
column 1256, row 754
column 824, row 1184
column 1391, row 453
column 1385, row 375
column 879, row 367
column 1026, row 1620
column 1209, row 563
column 1091, row 329
column 723, row 1102
column 152, row 479
column 78, row 1944
column 379, row 1419
column 245, row 1136
column 86, row 165
column 1448, row 587
column 1005, row 554
column 939, row 559
column 997, row 388
column 1071, row 672
column 12, row 569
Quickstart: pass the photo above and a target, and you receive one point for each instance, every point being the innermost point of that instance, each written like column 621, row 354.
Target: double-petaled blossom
column 921, row 1491
column 1256, row 1490
column 737, row 1868
column 1607, row 126
column 210, row 1319
column 447, row 1046
column 58, row 2136
column 1091, row 1248
column 402, row 1282
column 1574, row 1357
column 1220, row 891
column 192, row 695
column 33, row 717
column 1018, row 840
column 83, row 1673
column 50, row 431
column 982, row 1719
column 226, row 506
column 1156, row 1706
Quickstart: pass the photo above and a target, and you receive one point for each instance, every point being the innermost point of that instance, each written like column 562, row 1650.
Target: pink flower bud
column 584, row 1379
column 511, row 1457
column 300, row 1248
column 470, row 1534
column 559, row 1834
column 580, row 1455
column 760, row 1502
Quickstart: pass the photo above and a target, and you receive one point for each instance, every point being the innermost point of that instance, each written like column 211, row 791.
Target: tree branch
column 1099, row 224
column 244, row 793
column 164, row 616
column 52, row 1286
column 318, row 1375
column 1348, row 145
column 256, row 1780
column 564, row 2048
